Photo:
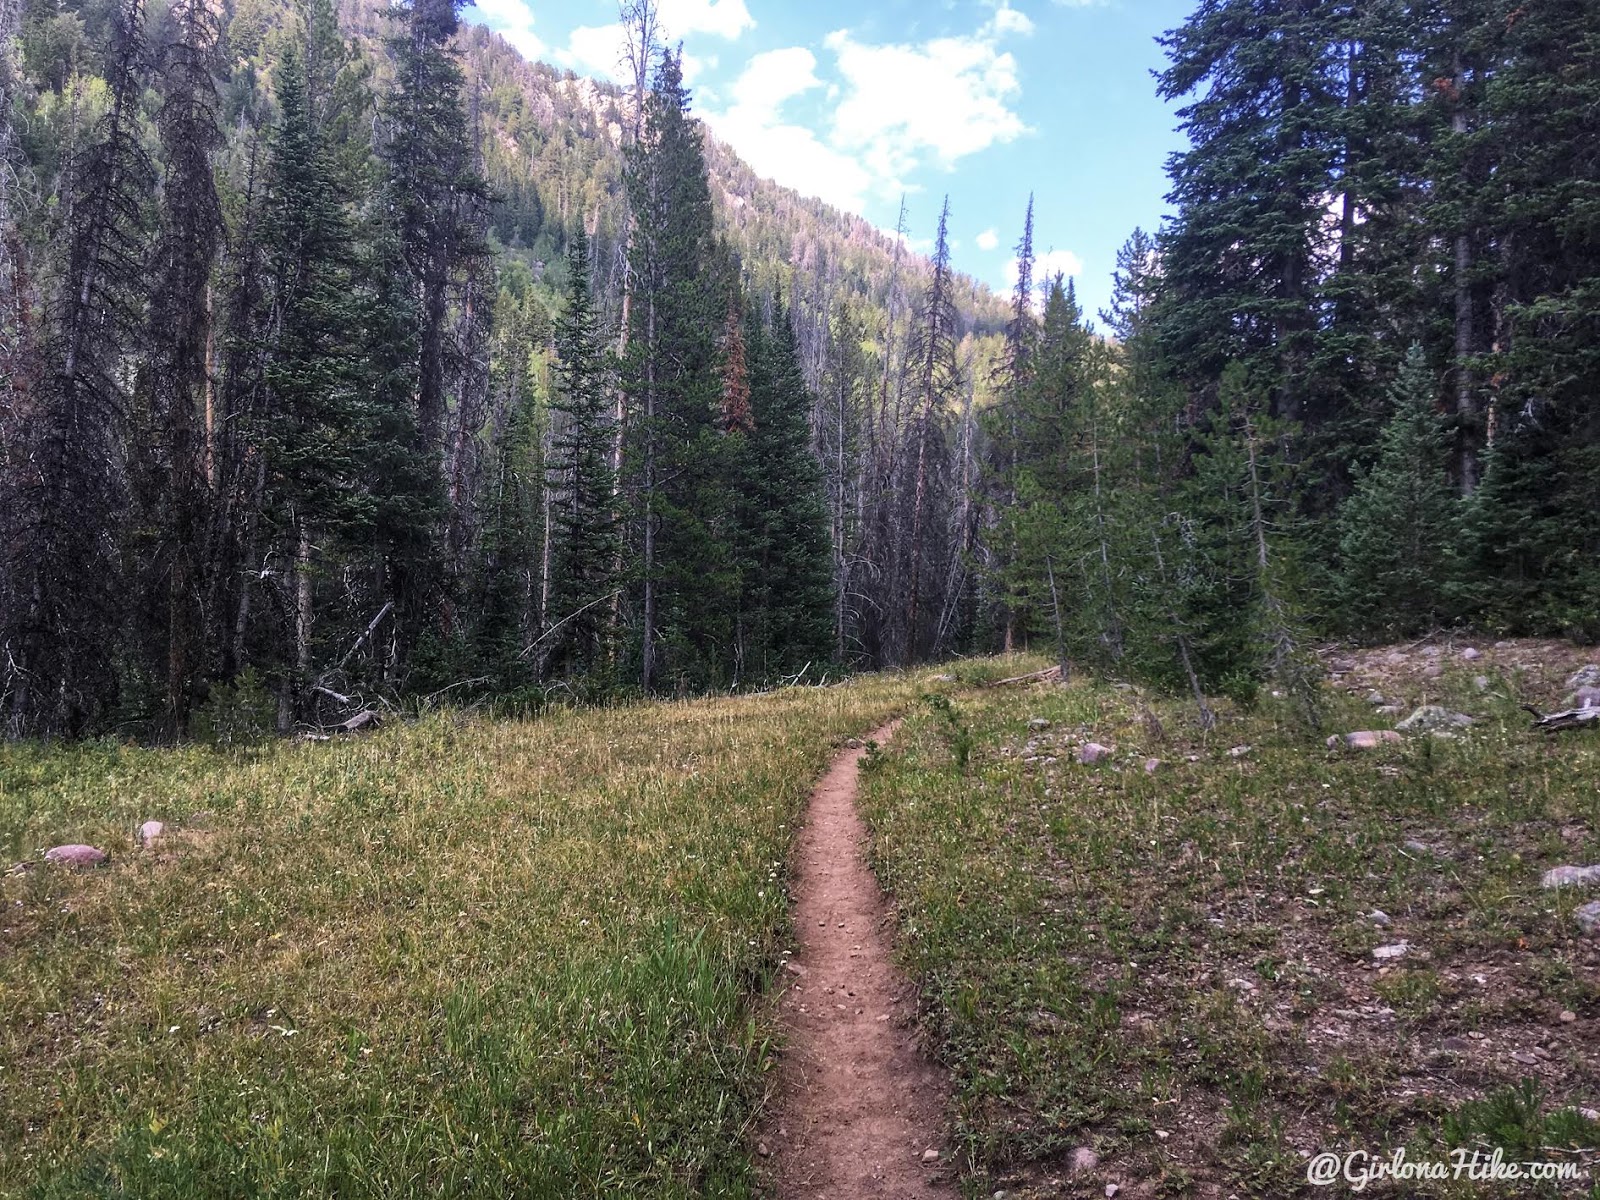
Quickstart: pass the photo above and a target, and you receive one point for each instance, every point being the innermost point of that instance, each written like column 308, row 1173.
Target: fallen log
column 1039, row 676
column 1573, row 718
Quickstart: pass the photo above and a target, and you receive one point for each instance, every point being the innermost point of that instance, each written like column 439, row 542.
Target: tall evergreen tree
column 1399, row 532
column 672, row 375
column 63, row 573
column 583, row 518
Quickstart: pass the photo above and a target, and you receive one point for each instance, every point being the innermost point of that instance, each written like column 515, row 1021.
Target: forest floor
column 1190, row 977
column 548, row 957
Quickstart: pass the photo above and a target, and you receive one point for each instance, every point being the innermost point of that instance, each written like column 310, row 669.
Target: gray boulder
column 76, row 855
column 1433, row 717
column 1559, row 877
column 1587, row 676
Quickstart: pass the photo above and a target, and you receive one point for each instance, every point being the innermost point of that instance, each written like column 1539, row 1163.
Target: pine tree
column 931, row 357
column 178, row 439
column 1399, row 532
column 786, row 602
column 673, row 377
column 582, row 486
column 65, row 580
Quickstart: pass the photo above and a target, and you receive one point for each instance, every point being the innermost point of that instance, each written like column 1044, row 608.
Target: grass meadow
column 1174, row 970
column 459, row 958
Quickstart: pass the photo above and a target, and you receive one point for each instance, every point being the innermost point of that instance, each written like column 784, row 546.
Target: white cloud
column 1010, row 20
column 987, row 240
column 595, row 50
column 512, row 20
column 879, row 113
column 722, row 18
column 904, row 104
column 789, row 153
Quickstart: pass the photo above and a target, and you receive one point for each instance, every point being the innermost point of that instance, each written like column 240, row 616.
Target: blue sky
column 863, row 102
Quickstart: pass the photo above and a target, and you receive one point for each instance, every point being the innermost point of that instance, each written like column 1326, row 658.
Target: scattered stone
column 930, row 1156
column 1376, row 698
column 1432, row 671
column 1433, row 717
column 1084, row 1159
column 796, row 969
column 151, row 832
column 1365, row 739
column 1559, row 877
column 1526, row 1059
column 1393, row 950
column 1240, row 751
column 1390, row 710
column 76, row 855
column 1092, row 753
column 1481, row 682
column 1589, row 1114
column 1417, row 847
column 1430, row 652
column 1379, row 918
column 1152, row 765
column 1111, row 1190
column 1471, row 655
column 1567, row 1017
column 1588, row 676
column 764, row 1150
column 1589, row 917
column 1038, row 723
column 1455, row 1045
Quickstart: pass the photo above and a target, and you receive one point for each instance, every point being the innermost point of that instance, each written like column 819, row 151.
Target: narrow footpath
column 860, row 1110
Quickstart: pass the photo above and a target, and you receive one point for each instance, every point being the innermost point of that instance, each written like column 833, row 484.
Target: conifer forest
column 347, row 357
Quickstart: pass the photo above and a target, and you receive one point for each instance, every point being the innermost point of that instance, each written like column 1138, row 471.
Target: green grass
column 1176, row 969
column 460, row 958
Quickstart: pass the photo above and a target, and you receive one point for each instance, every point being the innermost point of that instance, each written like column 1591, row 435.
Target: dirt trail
column 858, row 1105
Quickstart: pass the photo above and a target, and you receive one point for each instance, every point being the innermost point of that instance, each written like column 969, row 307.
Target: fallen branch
column 1574, row 718
column 540, row 639
column 1047, row 673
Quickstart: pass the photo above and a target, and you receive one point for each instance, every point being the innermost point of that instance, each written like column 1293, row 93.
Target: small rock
column 1365, row 739
column 944, row 678
column 1526, row 1059
column 1455, row 1045
column 1376, row 698
column 1471, row 655
column 1111, row 1190
column 1379, row 918
column 1417, row 847
column 76, row 855
column 1393, row 950
column 1390, row 710
column 1432, row 671
column 796, row 969
column 1430, row 652
column 1038, row 723
column 1240, row 751
column 1589, row 1114
column 1092, row 753
column 1084, row 1159
column 1481, row 682
column 763, row 1149
column 1560, row 877
column 930, row 1156
column 1432, row 717
column 1587, row 676
column 1589, row 917
column 150, row 832
column 1567, row 1017
column 1152, row 765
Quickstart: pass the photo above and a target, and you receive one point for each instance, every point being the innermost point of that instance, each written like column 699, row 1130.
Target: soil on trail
column 858, row 1105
